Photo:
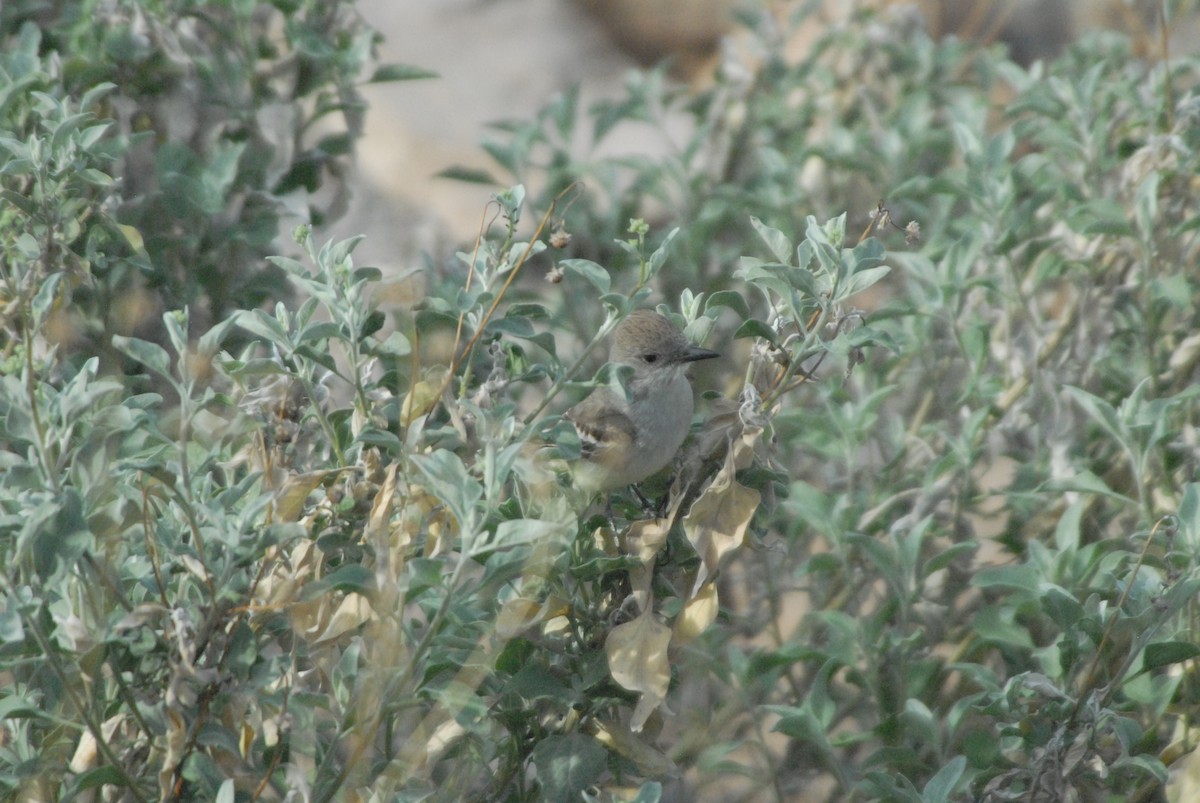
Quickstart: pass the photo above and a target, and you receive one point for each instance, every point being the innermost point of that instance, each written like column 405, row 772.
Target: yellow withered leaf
column 291, row 496
column 381, row 508
column 418, row 401
column 718, row 520
column 637, row 660
column 354, row 610
column 643, row 540
column 516, row 616
column 649, row 760
column 698, row 613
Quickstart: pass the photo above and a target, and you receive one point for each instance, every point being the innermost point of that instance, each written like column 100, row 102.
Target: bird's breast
column 663, row 416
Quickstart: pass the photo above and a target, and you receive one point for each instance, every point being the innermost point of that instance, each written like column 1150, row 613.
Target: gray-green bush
column 933, row 541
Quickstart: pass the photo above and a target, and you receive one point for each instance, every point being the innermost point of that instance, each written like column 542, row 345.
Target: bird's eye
column 649, row 357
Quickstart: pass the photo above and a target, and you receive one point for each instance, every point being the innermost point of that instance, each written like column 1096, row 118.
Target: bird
column 626, row 438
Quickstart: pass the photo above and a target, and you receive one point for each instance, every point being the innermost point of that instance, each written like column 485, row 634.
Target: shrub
column 938, row 545
column 159, row 146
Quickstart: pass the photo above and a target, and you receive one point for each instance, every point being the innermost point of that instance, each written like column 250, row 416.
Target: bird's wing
column 602, row 426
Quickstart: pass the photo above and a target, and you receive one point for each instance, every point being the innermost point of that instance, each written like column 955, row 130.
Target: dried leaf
column 649, row 760
column 354, row 611
column 698, row 613
column 722, row 422
column 143, row 614
column 1077, row 751
column 637, row 660
column 87, row 751
column 378, row 534
column 279, row 588
column 718, row 520
column 516, row 616
column 419, row 401
column 291, row 496
column 745, row 445
column 441, row 534
column 193, row 565
column 381, row 508
column 247, row 733
column 177, row 736
column 269, row 730
column 1183, row 783
column 643, row 539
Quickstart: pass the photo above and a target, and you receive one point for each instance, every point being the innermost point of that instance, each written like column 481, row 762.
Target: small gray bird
column 625, row 441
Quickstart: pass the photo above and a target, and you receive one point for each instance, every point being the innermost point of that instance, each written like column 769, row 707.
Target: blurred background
column 505, row 59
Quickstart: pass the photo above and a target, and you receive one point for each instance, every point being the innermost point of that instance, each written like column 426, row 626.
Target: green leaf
column 151, row 355
column 1164, row 653
column 12, row 629
column 756, row 328
column 396, row 345
column 259, row 323
column 1086, row 482
column 211, row 340
column 522, row 532
column 98, row 776
column 861, row 280
column 1061, row 606
column 1100, row 410
column 322, row 330
column 1149, row 765
column 290, row 265
column 64, row 128
column 533, row 682
column 339, row 144
column 450, row 481
column 777, row 242
column 373, row 436
column 1024, row 577
column 941, row 786
column 175, row 324
column 947, row 556
column 593, row 272
column 94, row 94
column 321, row 357
column 96, row 178
column 352, row 577
column 367, row 275
column 778, row 277
column 659, row 257
column 43, row 301
column 338, row 252
column 1066, row 532
column 650, row 792
column 731, row 300
column 799, row 723
column 568, row 764
column 1189, row 516
column 511, row 201
column 218, row 177
column 471, row 175
column 997, row 623
column 55, row 534
column 400, row 72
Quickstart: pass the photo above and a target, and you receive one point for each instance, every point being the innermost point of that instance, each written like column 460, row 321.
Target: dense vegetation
column 936, row 538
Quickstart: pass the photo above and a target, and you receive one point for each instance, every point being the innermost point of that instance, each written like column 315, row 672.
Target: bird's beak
column 695, row 354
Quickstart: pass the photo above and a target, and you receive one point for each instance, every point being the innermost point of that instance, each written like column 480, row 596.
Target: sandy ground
column 497, row 60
